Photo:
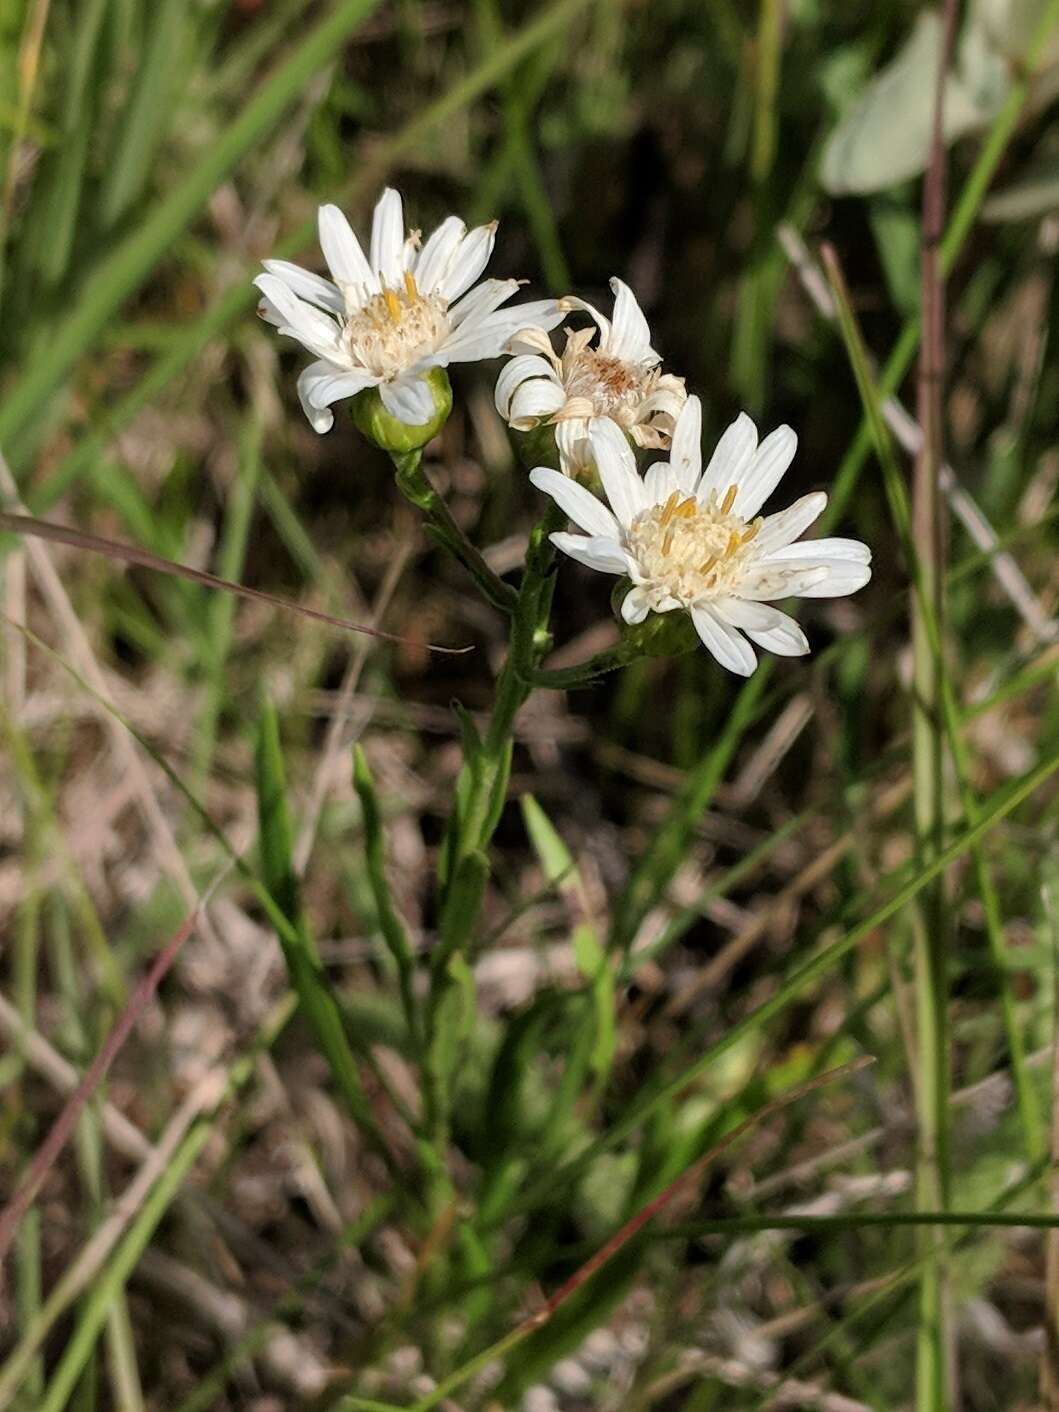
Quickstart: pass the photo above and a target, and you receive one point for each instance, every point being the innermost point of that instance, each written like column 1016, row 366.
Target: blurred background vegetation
column 152, row 152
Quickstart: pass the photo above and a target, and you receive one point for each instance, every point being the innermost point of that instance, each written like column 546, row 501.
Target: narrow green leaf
column 164, row 69
column 555, row 858
column 276, row 836
column 951, row 717
column 452, row 1015
column 462, row 900
column 56, row 206
column 593, row 964
column 390, row 924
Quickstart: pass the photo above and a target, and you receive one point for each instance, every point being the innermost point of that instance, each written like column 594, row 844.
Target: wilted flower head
column 619, row 378
column 386, row 319
column 693, row 539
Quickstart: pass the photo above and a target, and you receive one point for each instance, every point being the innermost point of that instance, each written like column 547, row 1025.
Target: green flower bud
column 371, row 418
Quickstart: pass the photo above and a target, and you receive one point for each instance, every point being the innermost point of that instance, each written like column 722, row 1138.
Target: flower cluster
column 386, row 326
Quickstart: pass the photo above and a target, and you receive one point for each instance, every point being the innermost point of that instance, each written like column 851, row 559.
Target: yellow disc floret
column 396, row 327
column 689, row 550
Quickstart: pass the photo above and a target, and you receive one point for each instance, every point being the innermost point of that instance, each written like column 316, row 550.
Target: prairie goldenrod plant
column 527, row 873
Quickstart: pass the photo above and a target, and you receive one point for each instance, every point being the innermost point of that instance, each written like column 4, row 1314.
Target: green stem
column 413, row 484
column 480, row 795
column 527, row 643
column 587, row 673
column 390, row 924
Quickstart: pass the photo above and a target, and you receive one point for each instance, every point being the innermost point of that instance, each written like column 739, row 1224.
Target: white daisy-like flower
column 385, row 319
column 693, row 539
column 619, row 378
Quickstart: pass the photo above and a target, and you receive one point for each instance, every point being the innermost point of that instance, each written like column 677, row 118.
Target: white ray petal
column 634, row 606
column 531, row 340
column 345, row 259
column 571, row 440
column 851, row 551
column 660, row 482
column 571, row 302
column 598, row 552
column 433, row 261
column 309, row 325
column 839, row 580
column 730, row 460
column 785, row 526
column 321, row 384
column 308, row 286
column 268, row 311
column 489, row 336
column 726, row 643
column 764, row 582
column 670, row 400
column 765, row 625
column 409, row 399
column 765, row 472
column 387, row 238
column 525, row 365
column 617, row 470
column 468, row 262
column 630, row 335
column 536, row 398
column 575, row 501
column 483, row 300
column 685, row 453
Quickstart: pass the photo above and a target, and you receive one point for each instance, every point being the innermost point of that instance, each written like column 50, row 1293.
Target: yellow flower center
column 689, row 549
column 395, row 328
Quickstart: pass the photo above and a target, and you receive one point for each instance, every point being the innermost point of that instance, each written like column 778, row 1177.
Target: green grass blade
column 393, row 930
column 135, row 256
column 220, row 616
column 164, row 68
column 525, row 168
column 54, row 213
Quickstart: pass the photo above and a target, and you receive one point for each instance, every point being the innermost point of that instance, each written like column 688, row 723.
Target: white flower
column 618, row 379
column 387, row 318
column 693, row 539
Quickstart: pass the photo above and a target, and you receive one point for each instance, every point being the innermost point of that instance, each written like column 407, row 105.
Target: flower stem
column 589, row 672
column 480, row 794
column 413, row 484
